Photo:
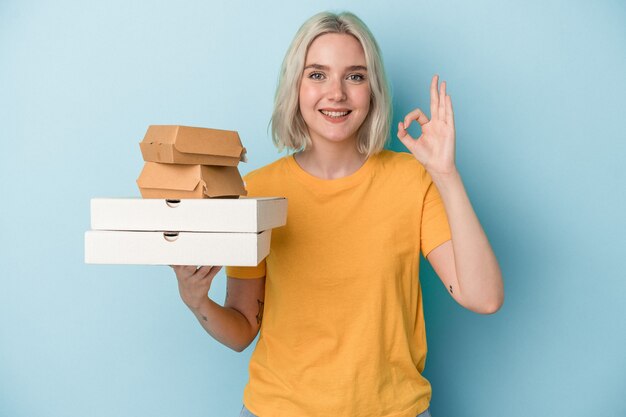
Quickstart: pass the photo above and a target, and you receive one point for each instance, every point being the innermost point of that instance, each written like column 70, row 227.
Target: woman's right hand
column 194, row 283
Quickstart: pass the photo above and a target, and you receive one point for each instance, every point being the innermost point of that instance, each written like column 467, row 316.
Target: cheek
column 365, row 97
column 364, row 100
column 306, row 98
column 360, row 96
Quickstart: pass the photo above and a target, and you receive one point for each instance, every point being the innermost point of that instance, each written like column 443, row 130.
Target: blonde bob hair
column 288, row 127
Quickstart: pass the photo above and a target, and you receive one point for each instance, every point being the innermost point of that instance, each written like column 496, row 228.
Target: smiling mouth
column 335, row 114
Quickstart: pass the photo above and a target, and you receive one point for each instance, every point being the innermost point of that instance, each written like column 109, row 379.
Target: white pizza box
column 176, row 248
column 244, row 214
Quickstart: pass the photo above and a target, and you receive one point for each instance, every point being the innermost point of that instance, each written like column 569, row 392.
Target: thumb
column 404, row 136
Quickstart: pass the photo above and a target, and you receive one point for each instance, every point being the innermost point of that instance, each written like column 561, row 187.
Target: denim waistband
column 246, row 413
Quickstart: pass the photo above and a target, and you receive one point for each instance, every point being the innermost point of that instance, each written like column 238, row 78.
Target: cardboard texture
column 184, row 248
column 175, row 144
column 177, row 181
column 244, row 215
column 190, row 213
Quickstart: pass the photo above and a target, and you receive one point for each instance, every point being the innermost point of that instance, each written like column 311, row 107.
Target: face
column 334, row 92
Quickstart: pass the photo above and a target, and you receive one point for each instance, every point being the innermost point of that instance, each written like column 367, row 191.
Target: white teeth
column 334, row 113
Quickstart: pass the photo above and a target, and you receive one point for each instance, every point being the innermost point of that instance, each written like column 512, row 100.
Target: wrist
column 445, row 177
column 201, row 306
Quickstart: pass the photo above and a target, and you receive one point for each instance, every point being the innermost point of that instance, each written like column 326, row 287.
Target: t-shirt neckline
column 330, row 185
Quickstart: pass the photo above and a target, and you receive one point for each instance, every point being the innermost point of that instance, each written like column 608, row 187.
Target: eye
column 356, row 77
column 316, row 76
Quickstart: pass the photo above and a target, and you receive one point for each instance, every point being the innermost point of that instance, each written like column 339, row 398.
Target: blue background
column 538, row 90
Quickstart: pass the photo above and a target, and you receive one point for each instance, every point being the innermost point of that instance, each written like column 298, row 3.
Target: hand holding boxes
column 180, row 221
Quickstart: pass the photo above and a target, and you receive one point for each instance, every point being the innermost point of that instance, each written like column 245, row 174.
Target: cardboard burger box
column 174, row 144
column 177, row 181
column 183, row 232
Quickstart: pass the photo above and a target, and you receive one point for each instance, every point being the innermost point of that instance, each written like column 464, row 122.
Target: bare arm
column 236, row 324
column 467, row 265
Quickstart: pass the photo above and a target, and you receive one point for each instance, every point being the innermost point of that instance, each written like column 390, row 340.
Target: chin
column 340, row 136
column 340, row 139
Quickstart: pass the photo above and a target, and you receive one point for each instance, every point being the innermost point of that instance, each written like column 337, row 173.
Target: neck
column 331, row 160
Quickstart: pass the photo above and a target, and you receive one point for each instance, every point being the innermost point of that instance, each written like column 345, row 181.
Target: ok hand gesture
column 435, row 147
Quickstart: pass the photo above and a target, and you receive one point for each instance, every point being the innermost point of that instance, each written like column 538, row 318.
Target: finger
column 434, row 97
column 442, row 101
column 203, row 271
column 403, row 135
column 402, row 132
column 183, row 268
column 417, row 115
column 214, row 272
column 210, row 273
column 449, row 112
column 406, row 139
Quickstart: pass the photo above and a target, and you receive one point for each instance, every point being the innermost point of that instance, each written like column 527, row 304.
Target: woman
column 343, row 330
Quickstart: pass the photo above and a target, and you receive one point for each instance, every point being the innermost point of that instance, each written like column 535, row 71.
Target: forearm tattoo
column 259, row 315
column 451, row 292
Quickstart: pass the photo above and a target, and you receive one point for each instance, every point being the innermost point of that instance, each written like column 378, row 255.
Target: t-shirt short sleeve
column 435, row 229
column 246, row 272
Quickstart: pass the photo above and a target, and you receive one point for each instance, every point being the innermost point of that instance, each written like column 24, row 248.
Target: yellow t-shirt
column 343, row 331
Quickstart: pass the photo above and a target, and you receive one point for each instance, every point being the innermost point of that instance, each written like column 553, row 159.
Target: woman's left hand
column 435, row 147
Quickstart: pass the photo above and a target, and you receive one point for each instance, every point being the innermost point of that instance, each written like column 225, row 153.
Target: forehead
column 335, row 49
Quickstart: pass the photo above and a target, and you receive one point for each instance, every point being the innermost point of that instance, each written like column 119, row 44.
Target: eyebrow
column 325, row 68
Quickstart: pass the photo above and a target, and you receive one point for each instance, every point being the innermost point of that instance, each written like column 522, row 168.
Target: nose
column 336, row 90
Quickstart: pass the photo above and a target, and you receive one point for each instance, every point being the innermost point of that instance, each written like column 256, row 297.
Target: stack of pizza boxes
column 194, row 209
